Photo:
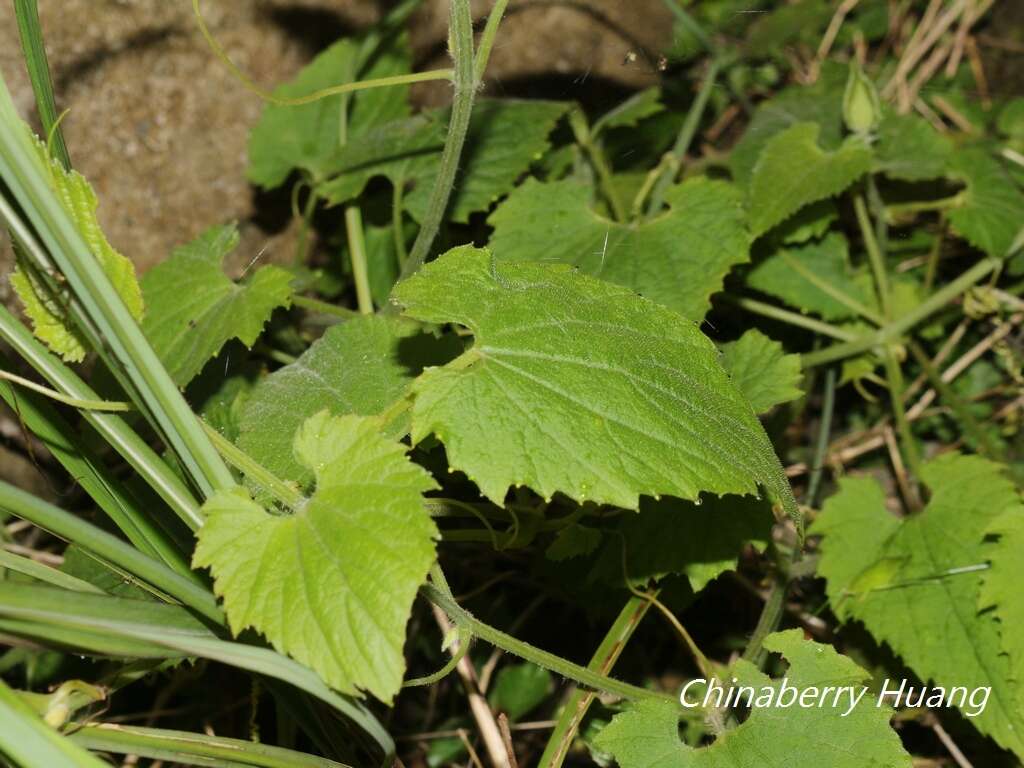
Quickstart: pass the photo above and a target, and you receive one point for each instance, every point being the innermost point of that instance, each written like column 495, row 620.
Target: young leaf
column 1000, row 589
column 573, row 541
column 993, row 209
column 671, row 536
column 44, row 310
column 901, row 579
column 308, row 136
column 332, row 584
column 361, row 366
column 647, row 736
column 782, row 275
column 679, row 259
column 504, row 138
column 580, row 386
column 910, row 149
column 193, row 308
column 794, row 171
column 762, row 371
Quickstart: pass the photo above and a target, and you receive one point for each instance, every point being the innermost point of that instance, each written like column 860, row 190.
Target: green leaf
column 573, row 541
column 910, row 149
column 1000, row 589
column 504, row 138
column 308, row 136
column 821, row 103
column 794, row 171
column 679, row 259
column 782, row 275
column 582, row 387
column 699, row 541
column 630, row 112
column 993, row 209
column 361, row 366
column 46, row 311
column 894, row 576
column 193, row 308
column 332, row 584
column 519, row 689
column 647, row 736
column 762, row 371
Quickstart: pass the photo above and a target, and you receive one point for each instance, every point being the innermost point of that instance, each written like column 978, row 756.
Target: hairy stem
column 541, row 658
column 461, row 35
column 604, row 658
column 892, row 331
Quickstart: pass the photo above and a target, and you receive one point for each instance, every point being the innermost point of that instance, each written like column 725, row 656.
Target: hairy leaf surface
column 794, row 171
column 193, row 308
column 647, row 736
column 504, row 138
column 679, row 259
column 762, row 370
column 892, row 575
column 331, row 584
column 48, row 316
column 580, row 386
column 1001, row 585
column 361, row 366
column 992, row 213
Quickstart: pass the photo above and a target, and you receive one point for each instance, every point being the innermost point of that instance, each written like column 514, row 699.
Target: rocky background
column 159, row 126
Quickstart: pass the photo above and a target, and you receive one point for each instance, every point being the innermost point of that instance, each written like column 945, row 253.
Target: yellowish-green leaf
column 332, row 583
column 46, row 311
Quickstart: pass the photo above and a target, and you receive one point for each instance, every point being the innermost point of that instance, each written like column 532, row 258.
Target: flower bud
column 861, row 109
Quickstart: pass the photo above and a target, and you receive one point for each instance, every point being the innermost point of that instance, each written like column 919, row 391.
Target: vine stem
column 683, row 140
column 768, row 622
column 464, row 80
column 824, row 433
column 323, row 93
column 541, row 658
column 874, row 254
column 74, row 402
column 483, row 53
column 604, row 658
column 901, row 325
column 790, row 318
column 357, row 253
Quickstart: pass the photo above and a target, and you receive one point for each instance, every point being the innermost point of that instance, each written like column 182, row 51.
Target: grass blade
column 28, row 741
column 192, row 748
column 25, row 179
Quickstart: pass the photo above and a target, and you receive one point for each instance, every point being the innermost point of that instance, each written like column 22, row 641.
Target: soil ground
column 159, row 127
